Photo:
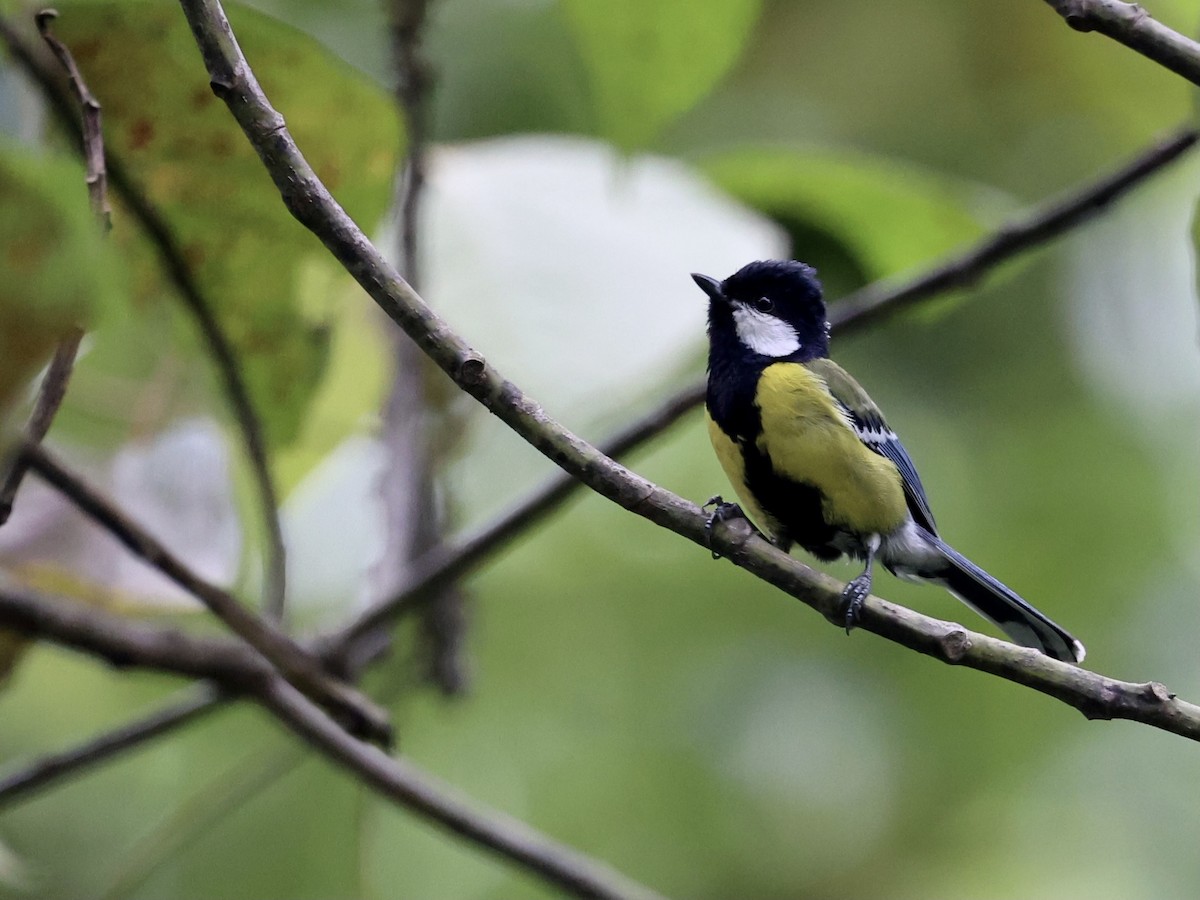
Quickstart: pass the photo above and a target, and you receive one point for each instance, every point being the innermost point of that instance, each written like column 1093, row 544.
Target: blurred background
column 672, row 715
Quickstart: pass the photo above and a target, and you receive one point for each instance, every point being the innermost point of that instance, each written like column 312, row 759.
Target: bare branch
column 299, row 665
column 1129, row 24
column 173, row 263
column 411, row 422
column 48, row 769
column 403, row 783
column 123, row 642
column 854, row 311
column 310, row 202
column 233, row 665
column 53, row 388
column 93, row 133
column 51, row 393
column 1035, row 230
column 414, row 82
column 450, row 562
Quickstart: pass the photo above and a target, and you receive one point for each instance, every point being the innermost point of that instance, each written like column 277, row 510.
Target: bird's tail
column 1001, row 605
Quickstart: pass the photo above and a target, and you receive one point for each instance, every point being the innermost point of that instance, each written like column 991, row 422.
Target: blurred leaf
column 587, row 304
column 243, row 246
column 886, row 216
column 53, row 266
column 651, row 62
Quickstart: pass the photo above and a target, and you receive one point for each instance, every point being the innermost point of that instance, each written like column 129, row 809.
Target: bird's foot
column 853, row 597
column 722, row 512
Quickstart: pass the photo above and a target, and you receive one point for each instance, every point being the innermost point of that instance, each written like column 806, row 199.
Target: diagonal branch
column 1047, row 222
column 93, row 135
column 197, row 303
column 450, row 562
column 402, row 783
column 51, row 393
column 1129, row 24
column 854, row 311
column 32, row 777
column 53, row 389
column 310, row 202
column 235, row 667
column 412, row 425
column 298, row 665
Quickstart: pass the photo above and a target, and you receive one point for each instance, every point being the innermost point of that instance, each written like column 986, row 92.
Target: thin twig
column 33, row 776
column 129, row 643
column 1132, row 26
column 414, row 81
column 1048, row 221
column 405, row 784
column 220, row 348
column 93, row 134
column 450, row 562
column 446, row 565
column 441, row 566
column 854, row 311
column 53, row 388
column 236, row 667
column 299, row 665
column 312, row 205
column 210, row 804
column 410, row 425
column 51, row 393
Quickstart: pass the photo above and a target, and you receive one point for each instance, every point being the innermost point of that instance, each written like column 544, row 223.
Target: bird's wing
column 868, row 423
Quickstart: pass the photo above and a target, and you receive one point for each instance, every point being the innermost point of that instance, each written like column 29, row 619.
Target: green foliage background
column 667, row 713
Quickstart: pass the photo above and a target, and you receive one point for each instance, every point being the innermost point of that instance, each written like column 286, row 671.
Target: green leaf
column 882, row 215
column 54, row 267
column 247, row 252
column 648, row 63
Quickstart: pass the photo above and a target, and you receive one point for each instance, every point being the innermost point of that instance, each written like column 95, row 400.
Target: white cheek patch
column 763, row 333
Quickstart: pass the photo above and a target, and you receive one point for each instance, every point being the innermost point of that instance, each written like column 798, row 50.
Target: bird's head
column 773, row 308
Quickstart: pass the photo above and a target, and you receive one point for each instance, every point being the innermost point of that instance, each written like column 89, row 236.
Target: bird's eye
column 764, row 305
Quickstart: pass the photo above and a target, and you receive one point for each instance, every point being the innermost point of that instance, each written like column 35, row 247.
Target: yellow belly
column 730, row 457
column 809, row 440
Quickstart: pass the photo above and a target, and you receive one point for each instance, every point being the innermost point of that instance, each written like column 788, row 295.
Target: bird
column 814, row 462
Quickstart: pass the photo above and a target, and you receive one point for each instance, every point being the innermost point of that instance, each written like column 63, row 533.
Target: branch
column 1043, row 225
column 451, row 561
column 411, row 426
column 303, row 193
column 406, row 785
column 313, row 206
column 234, row 666
column 299, row 665
column 92, row 142
column 414, row 82
column 1129, row 24
column 32, row 777
column 854, row 311
column 53, row 388
column 433, row 571
column 123, row 642
column 51, row 393
column 178, row 273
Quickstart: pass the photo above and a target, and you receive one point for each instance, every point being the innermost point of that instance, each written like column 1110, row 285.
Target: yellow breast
column 730, row 456
column 809, row 440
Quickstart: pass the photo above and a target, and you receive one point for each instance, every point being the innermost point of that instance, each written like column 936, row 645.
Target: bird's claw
column 853, row 596
column 722, row 512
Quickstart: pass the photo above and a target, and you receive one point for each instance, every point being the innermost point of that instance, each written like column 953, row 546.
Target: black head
column 771, row 308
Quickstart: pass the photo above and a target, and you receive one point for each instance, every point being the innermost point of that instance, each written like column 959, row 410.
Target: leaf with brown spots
column 251, row 258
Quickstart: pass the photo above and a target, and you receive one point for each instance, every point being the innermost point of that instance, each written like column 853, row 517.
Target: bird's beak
column 710, row 286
